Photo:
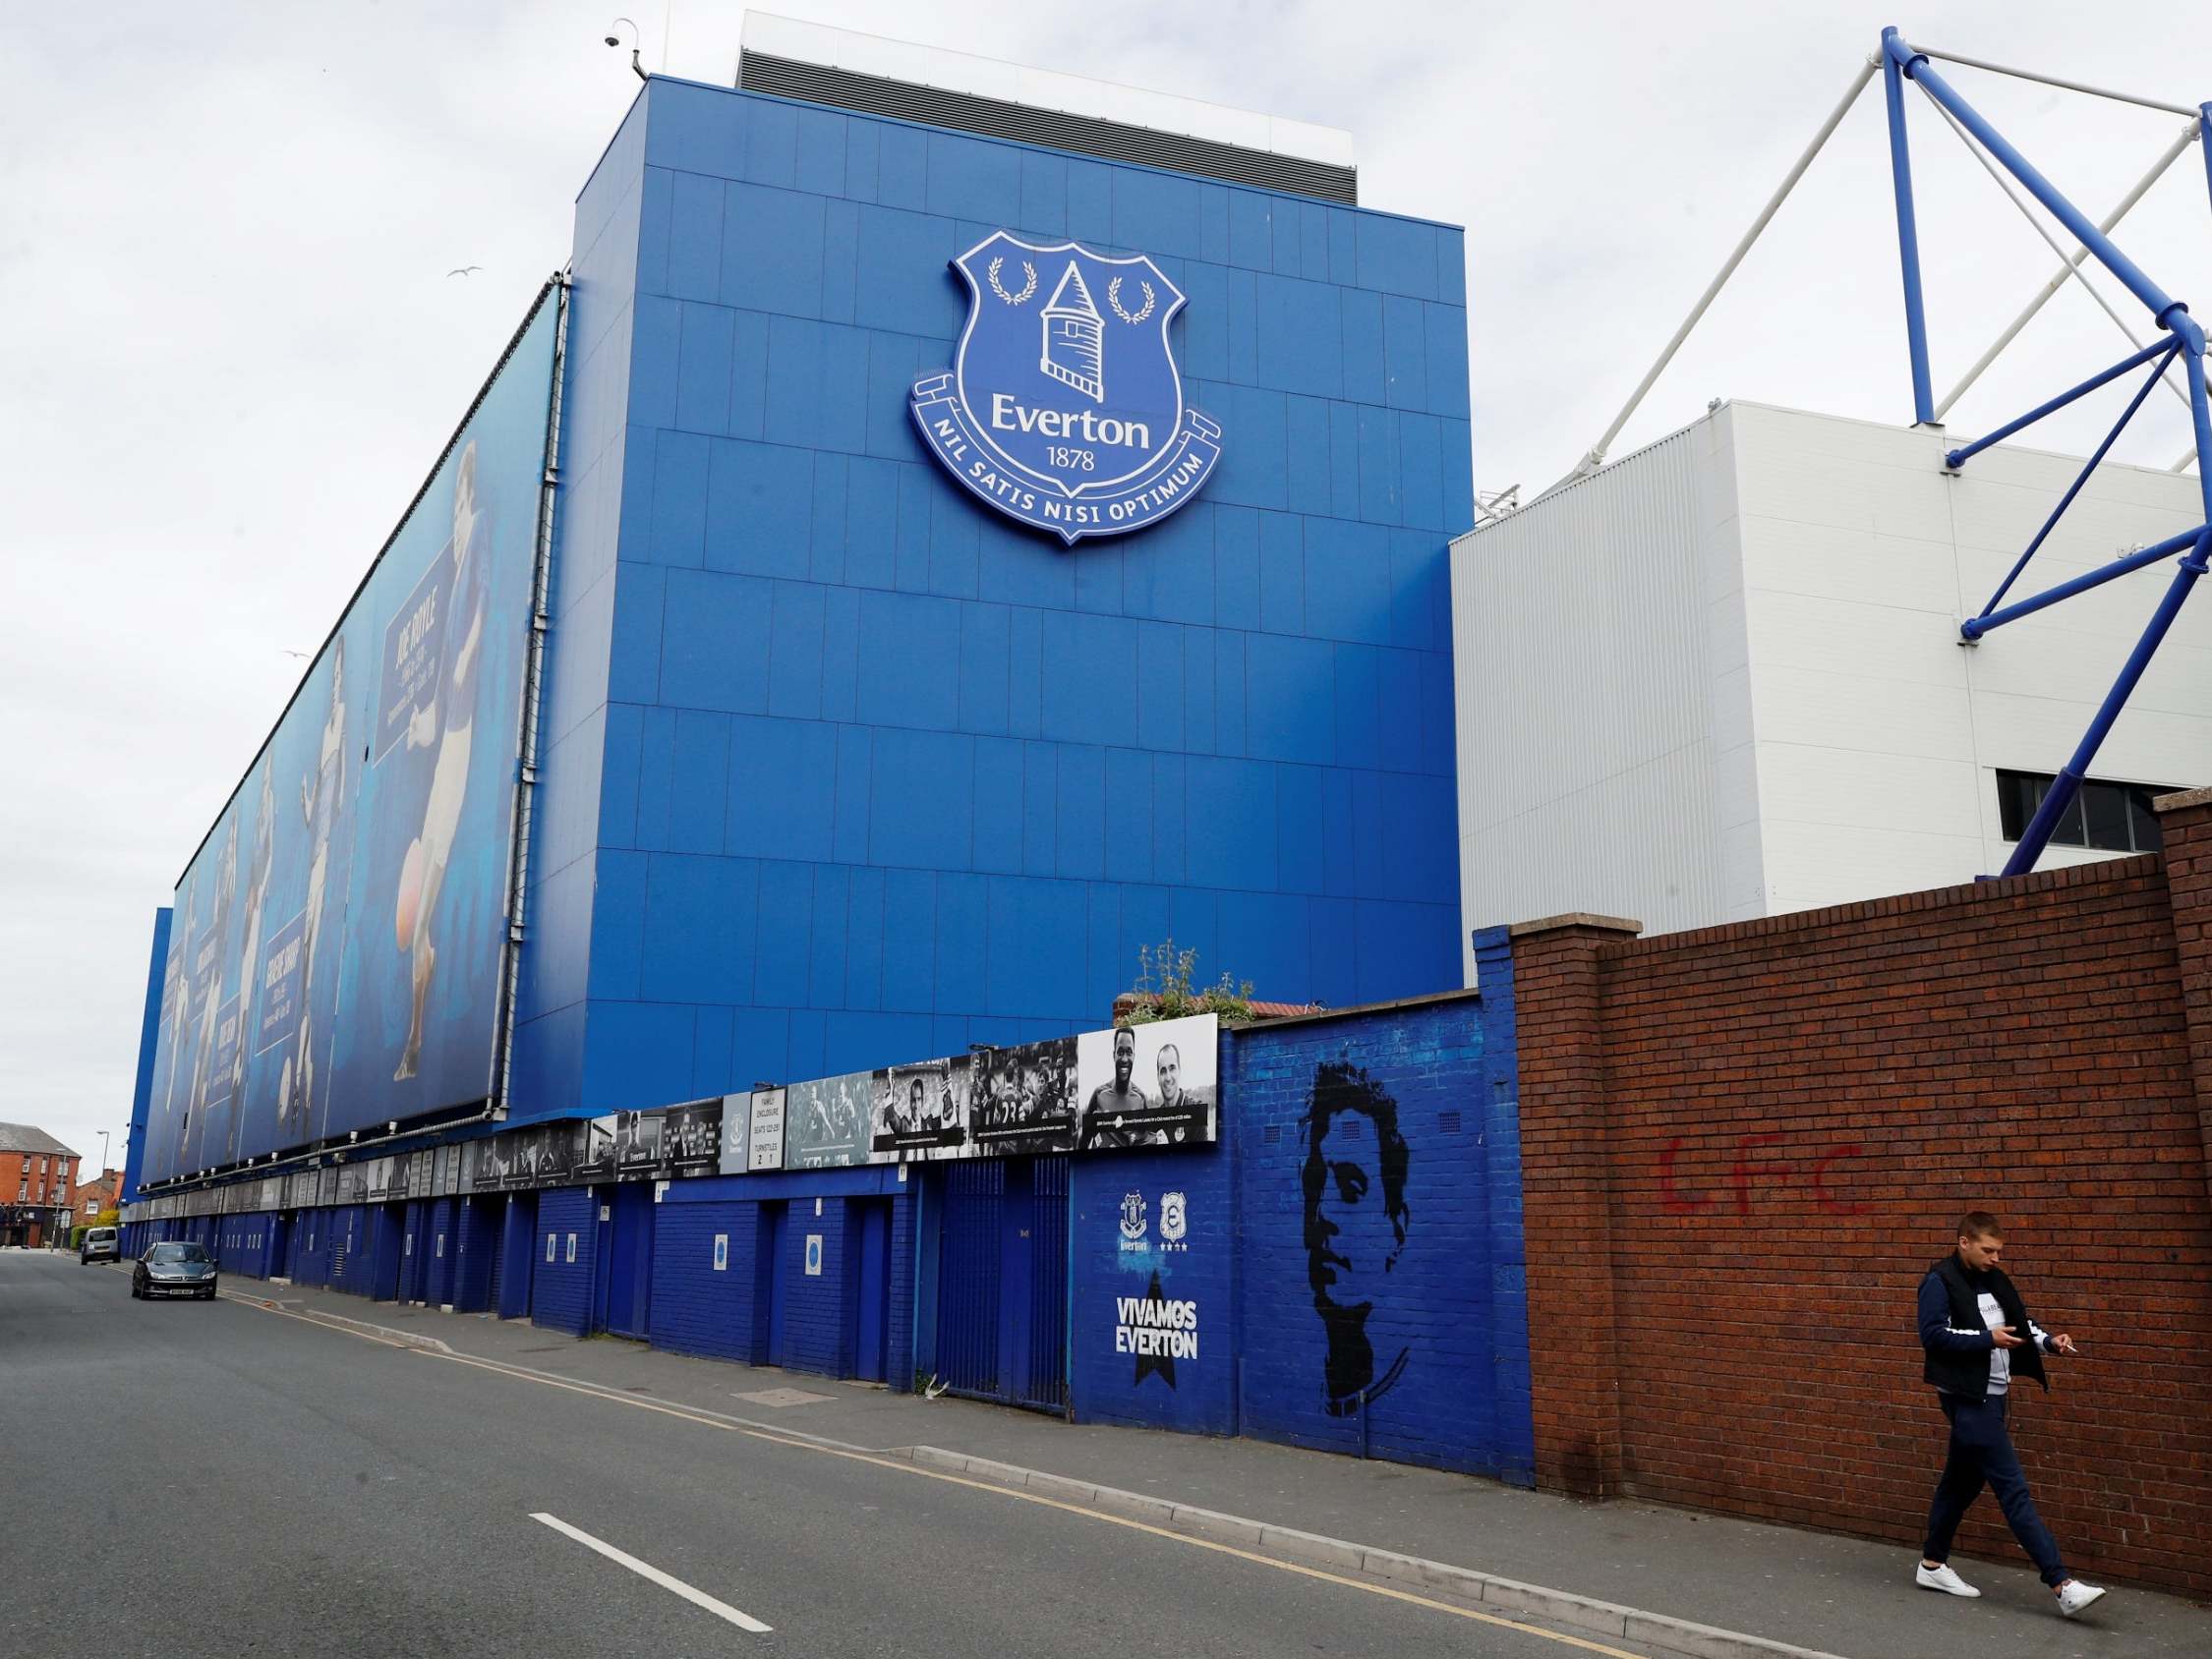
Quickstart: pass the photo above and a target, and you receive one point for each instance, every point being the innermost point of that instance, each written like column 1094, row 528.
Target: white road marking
column 667, row 1581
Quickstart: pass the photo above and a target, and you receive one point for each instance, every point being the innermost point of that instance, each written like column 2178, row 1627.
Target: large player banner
column 337, row 957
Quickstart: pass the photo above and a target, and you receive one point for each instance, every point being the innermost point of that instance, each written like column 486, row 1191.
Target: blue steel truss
column 2185, row 339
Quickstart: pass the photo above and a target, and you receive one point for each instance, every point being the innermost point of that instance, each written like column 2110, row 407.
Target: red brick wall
column 1767, row 1132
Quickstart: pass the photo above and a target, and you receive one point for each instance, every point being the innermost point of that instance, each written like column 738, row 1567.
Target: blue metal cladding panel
column 883, row 769
column 607, row 477
column 149, row 1041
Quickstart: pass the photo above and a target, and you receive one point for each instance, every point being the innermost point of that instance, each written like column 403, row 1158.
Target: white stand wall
column 1720, row 678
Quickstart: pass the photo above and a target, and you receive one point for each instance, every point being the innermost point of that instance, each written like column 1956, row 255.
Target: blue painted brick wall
column 843, row 795
column 560, row 1293
column 1454, row 1300
column 1447, row 1302
column 900, row 1340
column 1509, row 1252
column 695, row 1309
column 1200, row 1269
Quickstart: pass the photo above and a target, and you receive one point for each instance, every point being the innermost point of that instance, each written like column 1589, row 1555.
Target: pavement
column 385, row 1461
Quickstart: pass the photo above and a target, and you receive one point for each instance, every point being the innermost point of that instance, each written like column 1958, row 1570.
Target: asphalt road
column 236, row 1482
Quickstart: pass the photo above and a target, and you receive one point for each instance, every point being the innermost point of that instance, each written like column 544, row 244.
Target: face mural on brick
column 1354, row 1183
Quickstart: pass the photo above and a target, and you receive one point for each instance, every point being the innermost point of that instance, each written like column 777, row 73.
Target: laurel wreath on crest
column 1113, row 299
column 1027, row 270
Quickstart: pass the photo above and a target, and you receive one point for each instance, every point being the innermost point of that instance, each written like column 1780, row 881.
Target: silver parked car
column 99, row 1244
column 175, row 1268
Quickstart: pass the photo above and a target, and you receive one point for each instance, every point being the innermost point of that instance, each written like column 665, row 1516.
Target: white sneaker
column 1951, row 1583
column 2074, row 1595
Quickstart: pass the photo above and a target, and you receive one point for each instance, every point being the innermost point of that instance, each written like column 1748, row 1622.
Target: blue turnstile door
column 871, row 1348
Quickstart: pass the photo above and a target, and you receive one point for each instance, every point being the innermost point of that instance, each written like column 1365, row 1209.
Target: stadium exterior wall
column 1721, row 678
column 842, row 767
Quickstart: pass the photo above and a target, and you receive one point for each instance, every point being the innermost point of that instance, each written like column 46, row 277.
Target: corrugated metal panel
column 1111, row 141
column 1588, row 709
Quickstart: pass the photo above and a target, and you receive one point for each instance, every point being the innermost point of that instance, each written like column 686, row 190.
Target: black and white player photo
column 597, row 1159
column 637, row 1141
column 920, row 1110
column 1022, row 1100
column 1148, row 1085
column 692, row 1137
column 556, row 1158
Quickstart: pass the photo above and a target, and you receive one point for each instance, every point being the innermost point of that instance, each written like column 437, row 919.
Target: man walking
column 1972, row 1325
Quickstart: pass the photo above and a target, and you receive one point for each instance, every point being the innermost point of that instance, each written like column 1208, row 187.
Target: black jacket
column 1957, row 1341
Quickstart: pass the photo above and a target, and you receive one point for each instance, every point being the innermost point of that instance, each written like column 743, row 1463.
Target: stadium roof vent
column 1001, row 101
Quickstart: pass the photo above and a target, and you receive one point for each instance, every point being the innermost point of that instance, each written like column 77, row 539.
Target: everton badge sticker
column 1064, row 408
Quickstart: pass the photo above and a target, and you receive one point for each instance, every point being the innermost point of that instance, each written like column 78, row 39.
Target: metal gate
column 1002, row 1288
column 968, row 1278
column 1046, row 1385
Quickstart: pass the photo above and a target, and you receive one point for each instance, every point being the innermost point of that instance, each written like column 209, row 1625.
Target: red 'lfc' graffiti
column 1743, row 1173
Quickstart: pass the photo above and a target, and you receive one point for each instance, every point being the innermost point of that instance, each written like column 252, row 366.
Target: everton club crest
column 1064, row 408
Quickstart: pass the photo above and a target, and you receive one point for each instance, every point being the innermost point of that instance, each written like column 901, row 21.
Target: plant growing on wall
column 1166, row 986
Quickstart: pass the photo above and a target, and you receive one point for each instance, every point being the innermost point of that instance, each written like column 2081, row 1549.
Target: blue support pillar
column 2067, row 783
column 2074, row 488
column 1903, row 60
column 2200, row 418
column 2204, row 139
column 1908, row 233
column 2161, row 349
column 1976, row 627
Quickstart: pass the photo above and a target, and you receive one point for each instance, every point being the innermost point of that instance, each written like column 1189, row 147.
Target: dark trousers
column 1981, row 1450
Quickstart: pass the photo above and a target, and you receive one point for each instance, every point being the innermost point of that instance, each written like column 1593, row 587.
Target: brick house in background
column 37, row 1175
column 87, row 1199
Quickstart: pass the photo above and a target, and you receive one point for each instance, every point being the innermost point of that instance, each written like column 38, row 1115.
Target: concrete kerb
column 388, row 1333
column 1684, row 1637
column 1679, row 1636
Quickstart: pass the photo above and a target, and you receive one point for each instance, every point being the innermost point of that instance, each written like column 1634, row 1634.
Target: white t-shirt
column 2000, row 1359
column 2000, row 1362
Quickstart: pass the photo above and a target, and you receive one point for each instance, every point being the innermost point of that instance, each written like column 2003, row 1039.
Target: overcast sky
column 232, row 349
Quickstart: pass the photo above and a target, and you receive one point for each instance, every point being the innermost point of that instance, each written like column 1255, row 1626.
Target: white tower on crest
column 1073, row 337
